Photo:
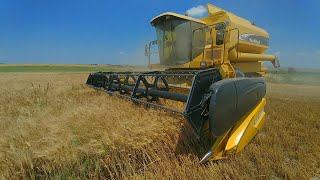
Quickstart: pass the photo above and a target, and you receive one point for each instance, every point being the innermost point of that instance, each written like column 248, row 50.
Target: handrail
column 237, row 46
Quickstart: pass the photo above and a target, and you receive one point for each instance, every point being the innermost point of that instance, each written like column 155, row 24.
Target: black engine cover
column 231, row 100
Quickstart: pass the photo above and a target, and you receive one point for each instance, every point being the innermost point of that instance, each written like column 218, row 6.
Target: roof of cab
column 178, row 16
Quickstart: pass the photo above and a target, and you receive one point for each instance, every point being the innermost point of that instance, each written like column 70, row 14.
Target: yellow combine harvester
column 212, row 76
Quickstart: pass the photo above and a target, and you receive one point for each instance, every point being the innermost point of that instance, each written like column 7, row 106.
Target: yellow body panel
column 247, row 128
column 247, row 67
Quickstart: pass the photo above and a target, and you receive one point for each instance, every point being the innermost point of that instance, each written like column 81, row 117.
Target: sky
column 115, row 32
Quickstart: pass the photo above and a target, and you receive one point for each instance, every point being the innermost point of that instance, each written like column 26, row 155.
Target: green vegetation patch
column 51, row 69
column 298, row 78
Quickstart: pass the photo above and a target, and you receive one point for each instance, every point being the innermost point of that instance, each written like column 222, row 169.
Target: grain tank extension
column 210, row 71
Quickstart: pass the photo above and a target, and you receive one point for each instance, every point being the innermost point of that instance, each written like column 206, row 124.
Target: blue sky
column 114, row 32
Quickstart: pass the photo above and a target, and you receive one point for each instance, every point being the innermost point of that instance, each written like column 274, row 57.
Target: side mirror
column 148, row 46
column 146, row 50
column 220, row 28
column 220, row 37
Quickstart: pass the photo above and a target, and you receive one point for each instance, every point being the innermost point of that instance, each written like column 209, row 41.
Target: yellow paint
column 247, row 128
column 246, row 67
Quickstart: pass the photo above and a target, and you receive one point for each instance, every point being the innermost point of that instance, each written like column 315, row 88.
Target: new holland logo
column 255, row 39
column 259, row 116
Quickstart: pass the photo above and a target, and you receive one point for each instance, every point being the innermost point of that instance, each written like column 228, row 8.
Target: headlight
column 203, row 63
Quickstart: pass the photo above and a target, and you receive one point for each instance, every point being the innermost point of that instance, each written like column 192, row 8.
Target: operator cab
column 180, row 38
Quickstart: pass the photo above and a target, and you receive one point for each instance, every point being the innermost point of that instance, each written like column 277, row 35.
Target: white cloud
column 122, row 53
column 198, row 11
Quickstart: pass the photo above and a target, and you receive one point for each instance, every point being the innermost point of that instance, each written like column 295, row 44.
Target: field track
column 53, row 126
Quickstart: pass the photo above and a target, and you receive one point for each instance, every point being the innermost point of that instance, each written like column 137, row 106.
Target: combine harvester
column 212, row 75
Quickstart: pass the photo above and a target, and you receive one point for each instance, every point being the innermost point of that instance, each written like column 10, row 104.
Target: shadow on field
column 188, row 143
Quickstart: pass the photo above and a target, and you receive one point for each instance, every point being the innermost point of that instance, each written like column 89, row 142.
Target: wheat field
column 53, row 126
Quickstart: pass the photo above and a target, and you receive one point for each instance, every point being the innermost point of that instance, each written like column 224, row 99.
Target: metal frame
column 148, row 87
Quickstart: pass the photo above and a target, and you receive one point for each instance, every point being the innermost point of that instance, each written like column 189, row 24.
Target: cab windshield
column 178, row 40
